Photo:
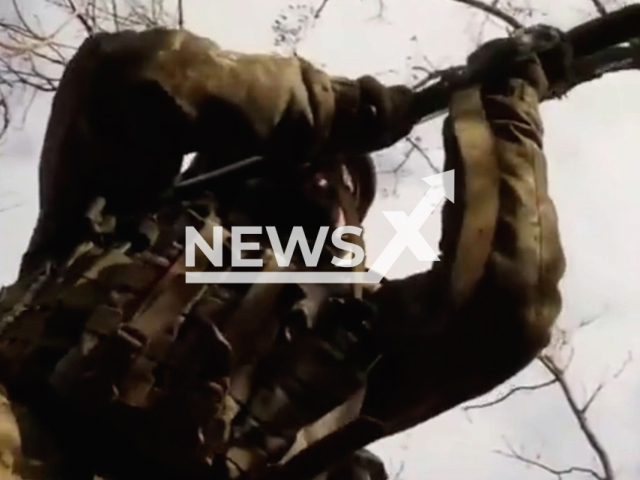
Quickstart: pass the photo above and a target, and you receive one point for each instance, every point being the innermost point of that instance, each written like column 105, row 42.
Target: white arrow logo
column 408, row 227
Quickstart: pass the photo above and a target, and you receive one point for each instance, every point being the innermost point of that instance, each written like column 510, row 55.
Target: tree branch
column 395, row 170
column 180, row 14
column 33, row 58
column 81, row 18
column 6, row 206
column 599, row 7
column 592, row 397
column 557, row 472
column 114, row 10
column 592, row 439
column 4, row 106
column 319, row 10
column 422, row 153
column 601, row 385
column 512, row 391
column 494, row 11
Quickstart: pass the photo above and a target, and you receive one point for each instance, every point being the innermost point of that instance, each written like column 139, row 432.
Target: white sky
column 592, row 144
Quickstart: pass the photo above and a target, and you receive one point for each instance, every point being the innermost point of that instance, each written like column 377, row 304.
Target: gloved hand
column 541, row 55
column 369, row 115
column 386, row 111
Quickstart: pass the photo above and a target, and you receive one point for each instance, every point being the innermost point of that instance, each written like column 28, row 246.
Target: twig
column 32, row 57
column 399, row 472
column 512, row 391
column 114, row 9
column 395, row 170
column 381, row 9
column 430, row 75
column 581, row 418
column 23, row 21
column 319, row 10
column 557, row 472
column 11, row 207
column 494, row 4
column 27, row 108
column 601, row 385
column 406, row 158
column 592, row 397
column 4, row 106
column 421, row 151
column 599, row 7
column 587, row 321
column 39, row 41
column 81, row 18
column 180, row 14
column 493, row 10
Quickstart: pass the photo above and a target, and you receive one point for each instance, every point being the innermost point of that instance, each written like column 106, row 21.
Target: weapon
column 586, row 39
column 185, row 186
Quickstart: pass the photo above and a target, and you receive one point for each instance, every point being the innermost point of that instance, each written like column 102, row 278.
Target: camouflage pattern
column 502, row 262
column 132, row 372
column 164, row 370
column 130, row 105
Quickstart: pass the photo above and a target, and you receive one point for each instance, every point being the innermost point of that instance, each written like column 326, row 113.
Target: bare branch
column 180, row 14
column 430, row 75
column 23, row 21
column 395, row 170
column 33, row 57
column 601, row 385
column 493, row 10
column 4, row 106
column 624, row 365
column 5, row 207
column 406, row 158
column 589, row 320
column 319, row 10
column 592, row 439
column 494, row 4
column 592, row 397
column 30, row 41
column 512, row 391
column 424, row 155
column 114, row 9
column 599, row 7
column 81, row 18
column 399, row 472
column 557, row 472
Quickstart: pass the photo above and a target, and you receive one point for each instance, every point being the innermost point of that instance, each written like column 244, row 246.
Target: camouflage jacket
column 129, row 107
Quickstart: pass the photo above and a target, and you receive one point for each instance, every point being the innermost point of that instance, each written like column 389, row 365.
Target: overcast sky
column 593, row 147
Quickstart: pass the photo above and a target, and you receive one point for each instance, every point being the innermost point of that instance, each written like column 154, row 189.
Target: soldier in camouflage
column 113, row 366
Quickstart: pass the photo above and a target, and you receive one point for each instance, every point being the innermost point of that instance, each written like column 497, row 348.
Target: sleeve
column 283, row 106
column 131, row 104
column 486, row 308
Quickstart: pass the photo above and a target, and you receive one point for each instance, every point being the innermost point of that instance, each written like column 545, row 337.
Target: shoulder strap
column 478, row 151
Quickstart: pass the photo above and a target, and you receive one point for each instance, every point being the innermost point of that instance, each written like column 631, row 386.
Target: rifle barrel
column 606, row 31
column 586, row 39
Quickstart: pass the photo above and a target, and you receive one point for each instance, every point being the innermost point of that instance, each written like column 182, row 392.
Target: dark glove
column 541, row 55
column 369, row 115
